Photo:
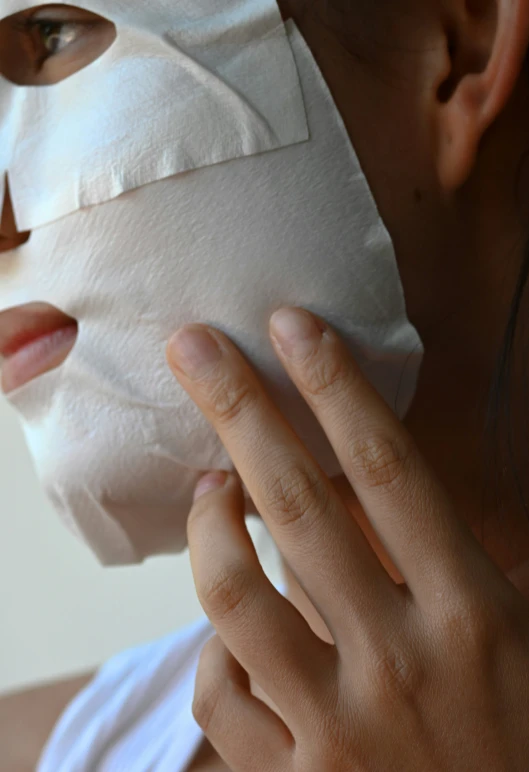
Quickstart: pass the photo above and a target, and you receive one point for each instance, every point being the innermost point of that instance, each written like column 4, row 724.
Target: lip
column 34, row 339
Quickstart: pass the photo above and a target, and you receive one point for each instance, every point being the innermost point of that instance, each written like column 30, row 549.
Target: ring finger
column 264, row 632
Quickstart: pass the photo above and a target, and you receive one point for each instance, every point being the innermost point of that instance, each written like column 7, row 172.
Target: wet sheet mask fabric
column 198, row 171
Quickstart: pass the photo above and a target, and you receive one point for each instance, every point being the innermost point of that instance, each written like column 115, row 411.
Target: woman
column 431, row 669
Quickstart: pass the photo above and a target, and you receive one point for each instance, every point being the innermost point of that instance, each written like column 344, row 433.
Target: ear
column 487, row 45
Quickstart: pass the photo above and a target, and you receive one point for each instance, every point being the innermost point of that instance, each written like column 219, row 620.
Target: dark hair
column 500, row 428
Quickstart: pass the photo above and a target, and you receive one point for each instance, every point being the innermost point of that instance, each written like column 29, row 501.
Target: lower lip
column 38, row 357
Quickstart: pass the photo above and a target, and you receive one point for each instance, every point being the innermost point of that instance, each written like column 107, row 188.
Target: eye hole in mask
column 49, row 43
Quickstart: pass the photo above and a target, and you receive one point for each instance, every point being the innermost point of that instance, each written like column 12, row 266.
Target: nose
column 10, row 236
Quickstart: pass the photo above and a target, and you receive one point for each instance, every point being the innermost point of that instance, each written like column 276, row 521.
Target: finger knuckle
column 293, row 494
column 394, row 674
column 229, row 399
column 324, row 377
column 380, row 462
column 468, row 627
column 206, row 705
column 227, row 594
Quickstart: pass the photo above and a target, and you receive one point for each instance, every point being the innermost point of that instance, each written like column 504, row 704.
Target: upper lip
column 24, row 324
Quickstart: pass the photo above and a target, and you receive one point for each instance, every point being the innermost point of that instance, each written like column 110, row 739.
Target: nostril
column 7, row 243
column 10, row 236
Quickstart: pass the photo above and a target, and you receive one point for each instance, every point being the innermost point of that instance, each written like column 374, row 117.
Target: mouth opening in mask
column 34, row 339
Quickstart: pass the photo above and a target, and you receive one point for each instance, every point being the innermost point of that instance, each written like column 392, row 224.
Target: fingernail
column 210, row 482
column 194, row 350
column 295, row 330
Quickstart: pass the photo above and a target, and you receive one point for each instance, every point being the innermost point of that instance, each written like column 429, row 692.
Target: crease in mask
column 105, row 523
column 243, row 34
column 257, row 129
column 108, row 387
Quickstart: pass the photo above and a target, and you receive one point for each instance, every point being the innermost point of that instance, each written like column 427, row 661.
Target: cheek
column 10, row 63
column 17, row 55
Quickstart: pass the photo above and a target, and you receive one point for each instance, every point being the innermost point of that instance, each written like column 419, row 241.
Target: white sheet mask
column 199, row 171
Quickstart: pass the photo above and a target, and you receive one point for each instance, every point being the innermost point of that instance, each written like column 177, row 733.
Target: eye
column 46, row 44
column 51, row 37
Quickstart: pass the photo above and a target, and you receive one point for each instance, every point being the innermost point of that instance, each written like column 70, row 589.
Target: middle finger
column 322, row 543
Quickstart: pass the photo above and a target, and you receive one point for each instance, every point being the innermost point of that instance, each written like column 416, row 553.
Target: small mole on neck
column 417, row 195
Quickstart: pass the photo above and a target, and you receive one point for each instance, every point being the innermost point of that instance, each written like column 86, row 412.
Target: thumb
column 212, row 481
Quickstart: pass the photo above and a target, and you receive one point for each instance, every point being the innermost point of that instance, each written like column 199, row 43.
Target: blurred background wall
column 60, row 612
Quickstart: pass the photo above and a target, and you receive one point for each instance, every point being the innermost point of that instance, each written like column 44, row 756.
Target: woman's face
column 396, row 62
column 107, row 228
column 158, row 174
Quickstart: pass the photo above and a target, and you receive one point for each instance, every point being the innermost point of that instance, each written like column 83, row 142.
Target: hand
column 429, row 675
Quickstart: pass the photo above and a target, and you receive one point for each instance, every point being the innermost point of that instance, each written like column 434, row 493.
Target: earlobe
column 487, row 50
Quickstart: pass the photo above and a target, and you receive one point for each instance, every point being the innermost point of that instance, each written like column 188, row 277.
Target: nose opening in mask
column 10, row 236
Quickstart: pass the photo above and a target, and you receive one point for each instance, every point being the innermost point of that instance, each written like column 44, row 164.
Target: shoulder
column 30, row 718
column 27, row 718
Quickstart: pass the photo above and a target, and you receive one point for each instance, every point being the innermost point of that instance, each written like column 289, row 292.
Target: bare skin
column 27, row 719
column 449, row 200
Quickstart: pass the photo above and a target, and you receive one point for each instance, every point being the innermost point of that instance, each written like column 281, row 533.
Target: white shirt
column 135, row 715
